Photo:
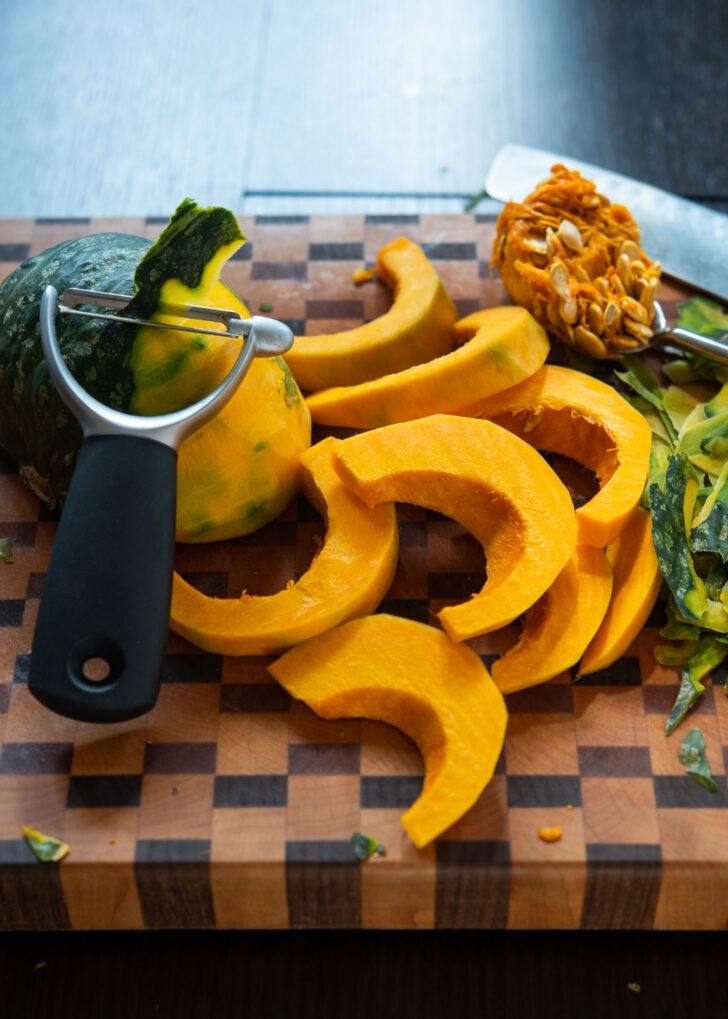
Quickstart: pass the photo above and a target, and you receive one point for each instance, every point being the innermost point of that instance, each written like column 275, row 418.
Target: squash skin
column 464, row 468
column 349, row 576
column 412, row 676
column 37, row 430
column 565, row 411
column 637, row 583
column 42, row 437
column 499, row 348
column 558, row 628
column 417, row 327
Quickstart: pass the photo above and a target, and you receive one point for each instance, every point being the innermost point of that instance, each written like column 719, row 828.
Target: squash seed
column 589, row 342
column 624, row 270
column 537, row 245
column 570, row 234
column 595, row 316
column 622, row 342
column 634, row 309
column 630, row 249
column 569, row 310
column 648, row 292
column 642, row 332
column 612, row 314
column 559, row 278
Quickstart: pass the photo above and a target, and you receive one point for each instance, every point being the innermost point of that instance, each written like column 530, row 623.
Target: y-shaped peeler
column 102, row 628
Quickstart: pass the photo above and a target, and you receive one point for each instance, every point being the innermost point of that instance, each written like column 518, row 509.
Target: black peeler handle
column 103, row 624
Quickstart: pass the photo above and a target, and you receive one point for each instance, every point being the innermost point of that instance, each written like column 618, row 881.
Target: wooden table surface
column 229, row 806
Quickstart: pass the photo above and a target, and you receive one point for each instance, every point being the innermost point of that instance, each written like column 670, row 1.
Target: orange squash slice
column 637, row 582
column 349, row 576
column 557, row 629
column 488, row 480
column 566, row 411
column 417, row 327
column 499, row 347
column 414, row 677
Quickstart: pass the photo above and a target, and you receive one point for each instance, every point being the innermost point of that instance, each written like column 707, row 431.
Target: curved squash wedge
column 499, row 347
column 566, row 411
column 557, row 629
column 491, row 482
column 637, row 582
column 349, row 576
column 412, row 676
column 417, row 327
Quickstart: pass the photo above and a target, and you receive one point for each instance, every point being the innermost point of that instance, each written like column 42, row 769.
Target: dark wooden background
column 283, row 106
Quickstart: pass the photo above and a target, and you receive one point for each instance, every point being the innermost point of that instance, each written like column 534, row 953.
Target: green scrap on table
column 6, row 550
column 365, row 846
column 46, row 848
column 692, row 755
column 687, row 495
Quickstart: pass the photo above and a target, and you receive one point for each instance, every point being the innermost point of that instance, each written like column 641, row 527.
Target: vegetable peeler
column 103, row 623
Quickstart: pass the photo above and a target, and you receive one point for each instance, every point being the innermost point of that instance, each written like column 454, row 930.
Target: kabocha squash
column 414, row 677
column 348, row 577
column 636, row 585
column 574, row 260
column 418, row 326
column 558, row 628
column 237, row 472
column 491, row 482
column 560, row 410
column 498, row 348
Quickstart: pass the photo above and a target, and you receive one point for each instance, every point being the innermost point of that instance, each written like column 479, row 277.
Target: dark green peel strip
column 692, row 755
column 190, row 240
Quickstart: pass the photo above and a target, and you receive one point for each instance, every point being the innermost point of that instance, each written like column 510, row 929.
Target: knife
column 689, row 240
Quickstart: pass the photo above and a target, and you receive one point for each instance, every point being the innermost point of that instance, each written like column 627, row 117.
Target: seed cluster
column 574, row 260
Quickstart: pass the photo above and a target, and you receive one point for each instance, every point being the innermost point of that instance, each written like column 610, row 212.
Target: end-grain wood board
column 232, row 806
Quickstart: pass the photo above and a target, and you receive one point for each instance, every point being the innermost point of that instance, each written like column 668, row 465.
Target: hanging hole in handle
column 95, row 663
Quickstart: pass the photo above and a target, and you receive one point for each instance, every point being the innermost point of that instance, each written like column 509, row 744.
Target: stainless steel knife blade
column 690, row 241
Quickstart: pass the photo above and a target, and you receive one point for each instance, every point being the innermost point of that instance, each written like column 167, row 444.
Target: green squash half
column 238, row 471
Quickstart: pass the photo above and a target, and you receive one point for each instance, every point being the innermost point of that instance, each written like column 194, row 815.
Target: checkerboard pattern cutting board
column 232, row 806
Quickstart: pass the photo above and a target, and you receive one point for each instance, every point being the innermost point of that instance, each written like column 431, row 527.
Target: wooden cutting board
column 232, row 806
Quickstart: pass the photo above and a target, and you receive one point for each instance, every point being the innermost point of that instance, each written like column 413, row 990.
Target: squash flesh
column 267, row 426
column 414, row 677
column 175, row 369
column 464, row 468
column 558, row 628
column 418, row 326
column 565, row 411
column 499, row 347
column 637, row 582
column 349, row 576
